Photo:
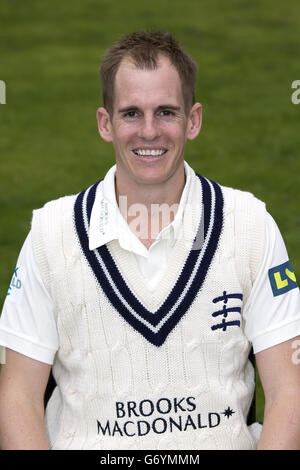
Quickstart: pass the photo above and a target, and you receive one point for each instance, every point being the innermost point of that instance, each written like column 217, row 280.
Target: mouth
column 149, row 153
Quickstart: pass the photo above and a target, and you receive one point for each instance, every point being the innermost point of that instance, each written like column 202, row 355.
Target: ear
column 104, row 124
column 195, row 121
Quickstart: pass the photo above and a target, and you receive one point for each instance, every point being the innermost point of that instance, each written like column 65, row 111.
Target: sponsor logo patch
column 165, row 415
column 15, row 290
column 282, row 278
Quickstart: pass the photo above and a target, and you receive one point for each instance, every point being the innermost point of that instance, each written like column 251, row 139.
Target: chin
column 152, row 177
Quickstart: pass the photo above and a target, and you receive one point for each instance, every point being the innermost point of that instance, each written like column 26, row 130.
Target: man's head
column 144, row 49
column 149, row 118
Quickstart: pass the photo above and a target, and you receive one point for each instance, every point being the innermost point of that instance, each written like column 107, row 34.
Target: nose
column 150, row 128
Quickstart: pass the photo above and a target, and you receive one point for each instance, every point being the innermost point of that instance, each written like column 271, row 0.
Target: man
column 146, row 291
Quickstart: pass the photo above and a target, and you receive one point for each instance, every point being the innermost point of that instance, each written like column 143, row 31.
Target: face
column 149, row 126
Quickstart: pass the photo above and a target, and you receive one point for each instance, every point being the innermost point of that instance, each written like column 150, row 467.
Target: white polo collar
column 107, row 222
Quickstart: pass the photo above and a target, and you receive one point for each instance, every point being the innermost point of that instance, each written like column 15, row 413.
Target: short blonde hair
column 143, row 48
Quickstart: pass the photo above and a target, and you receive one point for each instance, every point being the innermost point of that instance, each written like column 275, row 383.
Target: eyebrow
column 159, row 108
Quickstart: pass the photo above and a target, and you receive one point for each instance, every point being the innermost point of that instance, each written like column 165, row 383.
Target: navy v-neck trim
column 155, row 326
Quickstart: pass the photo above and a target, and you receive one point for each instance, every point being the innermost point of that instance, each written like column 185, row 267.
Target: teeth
column 149, row 153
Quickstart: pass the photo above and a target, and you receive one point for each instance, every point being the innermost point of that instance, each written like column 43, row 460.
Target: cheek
column 123, row 136
column 177, row 136
column 175, row 130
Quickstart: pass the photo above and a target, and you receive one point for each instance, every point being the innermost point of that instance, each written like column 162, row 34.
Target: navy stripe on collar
column 154, row 326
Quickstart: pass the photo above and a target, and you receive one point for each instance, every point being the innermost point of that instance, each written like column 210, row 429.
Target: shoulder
column 55, row 206
column 243, row 202
column 52, row 230
column 49, row 225
column 59, row 209
column 249, row 217
column 58, row 215
column 234, row 199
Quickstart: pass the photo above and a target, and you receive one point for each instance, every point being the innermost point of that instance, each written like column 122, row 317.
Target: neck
column 148, row 208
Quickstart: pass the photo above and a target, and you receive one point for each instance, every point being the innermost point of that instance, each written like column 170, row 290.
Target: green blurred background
column 50, row 52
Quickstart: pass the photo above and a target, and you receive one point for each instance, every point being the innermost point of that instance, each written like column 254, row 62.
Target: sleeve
column 27, row 323
column 272, row 312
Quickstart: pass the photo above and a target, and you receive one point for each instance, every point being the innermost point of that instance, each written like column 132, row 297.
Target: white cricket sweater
column 143, row 370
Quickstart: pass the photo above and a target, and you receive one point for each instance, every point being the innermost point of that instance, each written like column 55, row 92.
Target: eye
column 166, row 112
column 130, row 114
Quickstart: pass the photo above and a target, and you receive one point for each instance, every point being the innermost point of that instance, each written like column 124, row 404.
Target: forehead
column 143, row 87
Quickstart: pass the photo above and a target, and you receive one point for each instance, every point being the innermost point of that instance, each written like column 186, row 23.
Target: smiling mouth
column 146, row 153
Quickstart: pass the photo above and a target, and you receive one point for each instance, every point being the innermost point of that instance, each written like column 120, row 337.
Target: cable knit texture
column 116, row 389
